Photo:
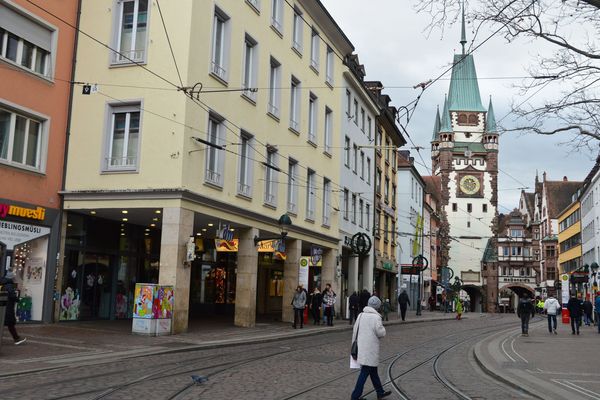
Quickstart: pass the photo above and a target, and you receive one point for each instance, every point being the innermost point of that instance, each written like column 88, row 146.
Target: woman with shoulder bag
column 368, row 329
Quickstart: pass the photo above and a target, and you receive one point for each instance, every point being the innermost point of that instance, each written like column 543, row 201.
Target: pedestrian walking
column 552, row 307
column 431, row 302
column 299, row 302
column 597, row 305
column 363, row 299
column 367, row 332
column 386, row 307
column 403, row 301
column 314, row 303
column 575, row 307
column 459, row 309
column 588, row 309
column 329, row 299
column 353, row 305
column 525, row 310
column 539, row 305
column 7, row 284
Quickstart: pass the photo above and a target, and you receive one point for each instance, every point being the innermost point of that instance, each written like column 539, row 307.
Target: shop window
column 124, row 138
column 22, row 140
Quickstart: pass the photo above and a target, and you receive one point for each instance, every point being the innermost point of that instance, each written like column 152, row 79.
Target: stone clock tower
column 464, row 152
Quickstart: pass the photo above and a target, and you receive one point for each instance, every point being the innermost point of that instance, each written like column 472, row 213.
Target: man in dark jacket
column 353, row 304
column 363, row 299
column 597, row 305
column 403, row 301
column 588, row 309
column 575, row 307
column 525, row 310
column 7, row 285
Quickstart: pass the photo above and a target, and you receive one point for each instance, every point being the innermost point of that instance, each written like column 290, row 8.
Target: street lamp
column 284, row 223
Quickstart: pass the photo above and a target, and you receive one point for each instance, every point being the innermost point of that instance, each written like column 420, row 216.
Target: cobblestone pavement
column 313, row 367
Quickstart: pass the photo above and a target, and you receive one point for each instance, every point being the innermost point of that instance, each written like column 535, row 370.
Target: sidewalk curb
column 495, row 374
column 343, row 325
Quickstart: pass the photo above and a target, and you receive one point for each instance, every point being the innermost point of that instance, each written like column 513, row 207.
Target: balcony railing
column 218, row 70
column 116, row 163
column 244, row 189
column 276, row 24
column 273, row 110
column 292, row 207
column 213, row 177
column 270, row 198
column 294, row 125
column 125, row 56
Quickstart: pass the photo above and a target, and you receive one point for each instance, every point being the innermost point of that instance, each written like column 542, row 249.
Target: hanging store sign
column 275, row 246
column 316, row 256
column 13, row 233
column 38, row 213
column 388, row 265
column 226, row 246
column 303, row 271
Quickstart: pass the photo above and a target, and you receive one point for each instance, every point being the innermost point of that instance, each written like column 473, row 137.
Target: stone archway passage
column 475, row 297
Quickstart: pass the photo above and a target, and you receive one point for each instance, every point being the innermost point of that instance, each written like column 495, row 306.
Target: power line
column 169, row 42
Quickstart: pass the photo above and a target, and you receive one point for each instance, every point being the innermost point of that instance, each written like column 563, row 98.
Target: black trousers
column 525, row 323
column 298, row 316
column 316, row 315
column 353, row 315
column 551, row 322
column 329, row 314
column 575, row 323
column 403, row 311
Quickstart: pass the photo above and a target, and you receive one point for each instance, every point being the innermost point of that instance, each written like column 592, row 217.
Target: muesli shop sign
column 13, row 233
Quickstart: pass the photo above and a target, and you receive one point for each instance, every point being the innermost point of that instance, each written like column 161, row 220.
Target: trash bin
column 3, row 304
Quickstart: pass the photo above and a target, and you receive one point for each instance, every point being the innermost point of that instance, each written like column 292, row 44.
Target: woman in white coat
column 369, row 329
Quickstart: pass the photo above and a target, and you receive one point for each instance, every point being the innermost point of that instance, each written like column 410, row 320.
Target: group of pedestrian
column 8, row 285
column 315, row 302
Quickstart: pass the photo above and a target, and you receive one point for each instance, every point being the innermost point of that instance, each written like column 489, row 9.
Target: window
column 277, row 15
column 484, row 208
column 386, row 190
column 310, row 195
column 362, row 119
column 368, row 170
column 274, row 83
column 347, row 152
column 515, row 250
column 245, row 166
column 393, row 232
column 368, row 215
column 348, row 104
column 249, row 75
column 394, row 196
column 219, row 45
column 292, row 187
column 353, row 208
column 271, row 177
column 362, row 165
column 377, row 223
column 378, row 182
column 131, row 40
column 215, row 160
column 25, row 42
column 505, row 251
column 360, row 212
column 387, row 150
column 386, row 225
column 314, row 49
column 326, row 201
column 123, row 143
column 22, row 140
column 355, row 112
column 298, row 30
column 454, row 207
column 355, row 157
column 369, row 132
column 468, row 224
column 295, row 105
column 346, row 203
column 469, row 207
column 329, row 66
column 394, row 162
column 517, row 233
column 254, row 3
column 312, row 118
column 328, row 128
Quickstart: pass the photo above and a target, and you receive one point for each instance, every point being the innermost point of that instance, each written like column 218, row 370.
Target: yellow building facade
column 569, row 238
column 207, row 142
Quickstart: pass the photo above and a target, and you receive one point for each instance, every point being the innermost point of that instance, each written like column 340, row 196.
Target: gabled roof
column 559, row 195
column 490, row 119
column 436, row 126
column 529, row 202
column 433, row 186
column 464, row 89
column 446, row 126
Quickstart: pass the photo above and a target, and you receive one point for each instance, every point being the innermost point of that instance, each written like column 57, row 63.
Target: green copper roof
column 464, row 89
column 489, row 255
column 446, row 125
column 490, row 120
column 436, row 126
column 475, row 147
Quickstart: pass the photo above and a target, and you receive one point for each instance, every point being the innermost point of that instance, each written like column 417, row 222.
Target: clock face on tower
column 469, row 184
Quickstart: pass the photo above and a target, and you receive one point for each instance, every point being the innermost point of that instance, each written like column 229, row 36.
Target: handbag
column 354, row 348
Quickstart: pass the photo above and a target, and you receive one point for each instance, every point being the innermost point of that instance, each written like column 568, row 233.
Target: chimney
column 404, row 154
column 565, row 179
column 412, row 160
column 544, row 177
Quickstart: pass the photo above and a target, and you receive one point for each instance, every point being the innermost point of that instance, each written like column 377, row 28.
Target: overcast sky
column 390, row 40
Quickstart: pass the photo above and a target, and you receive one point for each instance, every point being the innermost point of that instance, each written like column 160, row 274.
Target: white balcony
column 213, row 177
column 121, row 163
column 129, row 56
column 218, row 70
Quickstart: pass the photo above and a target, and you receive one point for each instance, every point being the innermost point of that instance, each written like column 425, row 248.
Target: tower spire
column 463, row 35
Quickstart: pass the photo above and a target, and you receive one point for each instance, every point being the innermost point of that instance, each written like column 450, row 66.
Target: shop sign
column 275, row 246
column 316, row 256
column 388, row 265
column 13, row 233
column 564, row 280
column 303, row 271
column 225, row 233
column 226, row 246
column 6, row 210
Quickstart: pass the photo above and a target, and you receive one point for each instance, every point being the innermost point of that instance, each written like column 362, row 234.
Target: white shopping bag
column 354, row 364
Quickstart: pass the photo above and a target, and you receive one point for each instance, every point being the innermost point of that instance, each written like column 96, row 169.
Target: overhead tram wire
column 169, row 42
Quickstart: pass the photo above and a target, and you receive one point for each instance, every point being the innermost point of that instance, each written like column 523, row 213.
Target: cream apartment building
column 209, row 143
